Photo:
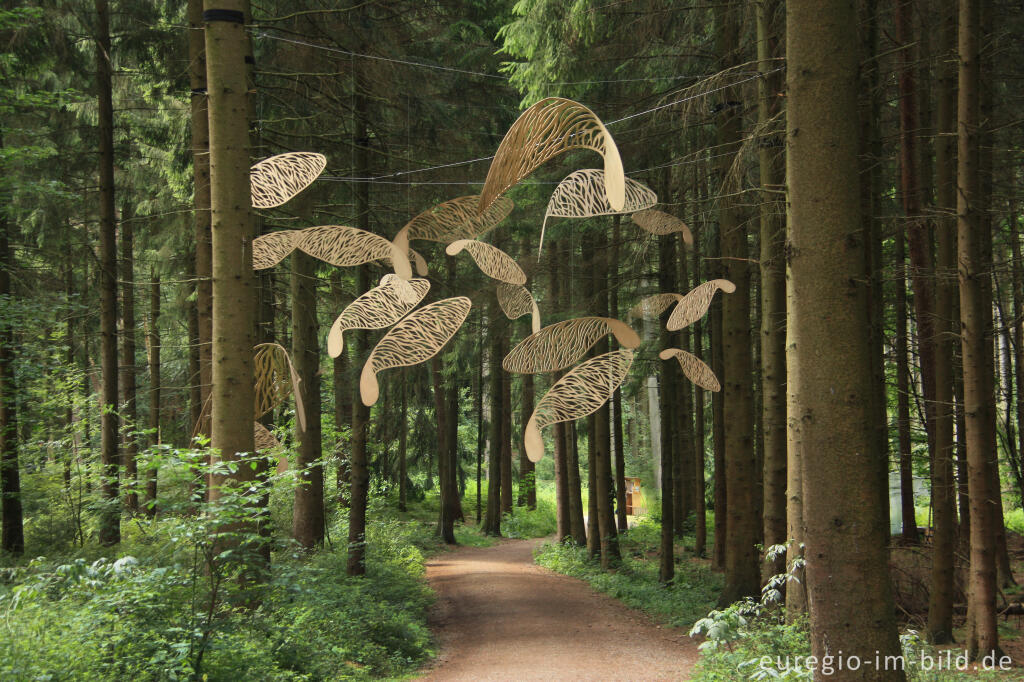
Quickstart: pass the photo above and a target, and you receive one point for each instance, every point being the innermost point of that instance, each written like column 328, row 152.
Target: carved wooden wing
column 270, row 249
column 559, row 345
column 545, row 130
column 265, row 440
column 414, row 339
column 458, row 219
column 491, row 260
column 275, row 180
column 580, row 392
column 347, row 246
column 659, row 222
column 378, row 308
column 581, row 195
column 695, row 304
column 654, row 305
column 516, row 300
column 274, row 378
column 694, row 368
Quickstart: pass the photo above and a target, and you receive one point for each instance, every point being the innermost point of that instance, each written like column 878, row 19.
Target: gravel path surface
column 501, row 617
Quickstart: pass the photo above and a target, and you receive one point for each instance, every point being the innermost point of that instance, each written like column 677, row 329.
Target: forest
column 511, row 339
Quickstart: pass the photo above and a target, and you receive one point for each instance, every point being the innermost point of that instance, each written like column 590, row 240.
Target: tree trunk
column 699, row 436
column 718, row 429
column 618, row 442
column 773, row 290
column 341, row 385
column 903, row 394
column 577, row 523
column 110, row 516
column 941, row 591
column 403, row 437
column 154, row 385
column 480, row 416
column 982, row 637
column 527, row 469
column 130, row 412
column 666, row 283
column 846, row 529
column 12, row 536
column 308, row 522
column 201, row 204
column 506, row 429
column 492, row 520
column 445, row 463
column 359, row 476
column 743, row 528
column 610, row 555
column 593, row 529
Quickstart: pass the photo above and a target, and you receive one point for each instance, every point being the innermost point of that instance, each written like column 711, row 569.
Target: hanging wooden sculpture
column 545, row 130
column 265, row 440
column 458, row 219
column 516, row 300
column 580, row 392
column 414, row 339
column 274, row 379
column 275, row 180
column 659, row 222
column 689, row 308
column 559, row 345
column 378, row 308
column 581, row 195
column 270, row 249
column 491, row 260
column 695, row 304
column 694, row 368
column 348, row 246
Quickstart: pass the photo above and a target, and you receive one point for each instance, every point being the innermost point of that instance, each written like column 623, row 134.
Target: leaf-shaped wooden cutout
column 458, row 219
column 347, row 246
column 582, row 391
column 545, row 130
column 659, row 222
column 559, row 345
column 270, row 249
column 265, row 440
column 491, row 260
column 654, row 305
column 516, row 300
column 695, row 304
column 694, row 368
column 274, row 378
column 378, row 308
column 414, row 339
column 581, row 195
column 275, row 180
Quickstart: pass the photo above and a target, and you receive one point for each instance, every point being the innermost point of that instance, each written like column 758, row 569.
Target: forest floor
column 499, row 616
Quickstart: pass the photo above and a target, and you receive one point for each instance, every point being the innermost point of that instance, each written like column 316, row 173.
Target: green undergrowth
column 635, row 581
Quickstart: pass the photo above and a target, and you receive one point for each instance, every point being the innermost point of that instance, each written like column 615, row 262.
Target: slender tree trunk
column 847, row 573
column 446, row 519
column 903, row 394
column 341, row 384
column 982, row 637
column 155, row 386
column 773, row 289
column 403, row 432
column 527, row 469
column 480, row 417
column 200, row 125
column 12, row 535
column 718, row 429
column 359, row 475
column 941, row 591
column 666, row 272
column 130, row 412
column 618, row 442
column 308, row 522
column 743, row 528
column 699, row 437
column 610, row 555
column 577, row 523
column 492, row 520
column 593, row 529
column 506, row 430
column 110, row 516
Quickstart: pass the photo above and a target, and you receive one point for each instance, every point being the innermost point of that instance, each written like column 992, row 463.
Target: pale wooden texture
column 559, row 345
column 265, row 440
column 693, row 367
column 582, row 195
column 491, row 260
column 348, row 246
column 516, row 300
column 414, row 339
column 276, row 180
column 378, row 308
column 695, row 304
column 545, row 130
column 458, row 219
column 659, row 222
column 654, row 305
column 270, row 249
column 274, row 378
column 582, row 391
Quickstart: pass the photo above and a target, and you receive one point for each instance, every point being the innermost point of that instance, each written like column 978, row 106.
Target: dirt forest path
column 501, row 617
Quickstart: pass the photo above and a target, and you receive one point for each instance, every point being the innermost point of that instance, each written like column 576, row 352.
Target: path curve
column 499, row 616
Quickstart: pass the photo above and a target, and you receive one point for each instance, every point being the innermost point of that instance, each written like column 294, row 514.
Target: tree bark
column 308, row 522
column 359, row 475
column 155, row 386
column 773, row 289
column 903, row 393
column 492, row 519
column 446, row 518
column 666, row 282
column 110, row 516
column 618, row 441
column 846, row 529
column 12, row 533
column 129, row 410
